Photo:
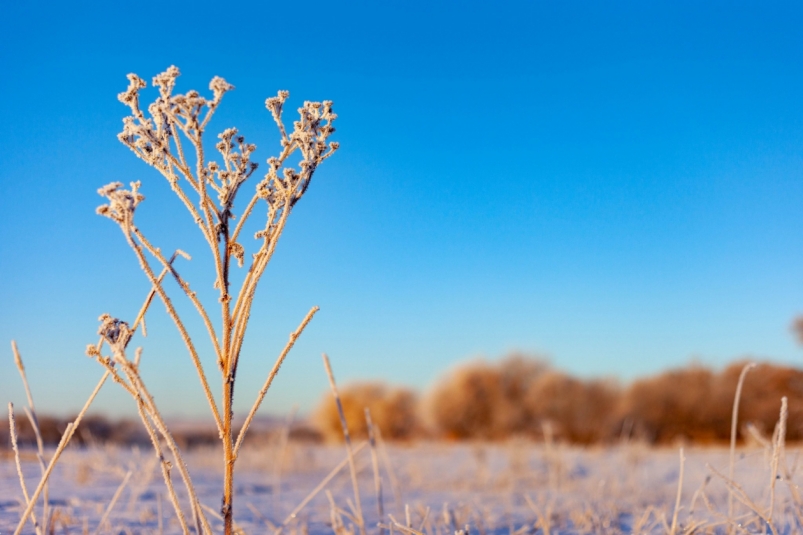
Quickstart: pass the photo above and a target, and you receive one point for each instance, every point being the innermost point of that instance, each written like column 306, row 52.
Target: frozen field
column 516, row 488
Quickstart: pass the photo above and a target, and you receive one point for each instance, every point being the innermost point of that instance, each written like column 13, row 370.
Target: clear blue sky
column 615, row 185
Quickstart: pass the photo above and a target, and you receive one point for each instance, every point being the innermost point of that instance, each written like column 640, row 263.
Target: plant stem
column 228, row 454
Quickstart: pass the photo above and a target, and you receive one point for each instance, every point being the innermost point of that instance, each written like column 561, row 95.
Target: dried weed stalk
column 168, row 136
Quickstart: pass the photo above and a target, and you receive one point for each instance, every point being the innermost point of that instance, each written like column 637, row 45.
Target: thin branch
column 171, row 311
column 249, row 276
column 288, row 150
column 180, row 163
column 144, row 308
column 184, row 285
column 163, row 463
column 209, row 113
column 246, row 213
column 261, row 259
column 274, row 371
column 208, row 205
column 172, row 179
column 241, row 321
column 156, row 418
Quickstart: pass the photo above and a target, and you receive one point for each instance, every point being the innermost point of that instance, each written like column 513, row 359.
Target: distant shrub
column 761, row 396
column 579, row 411
column 677, row 404
column 92, row 429
column 49, row 427
column 393, row 411
column 695, row 403
column 516, row 396
column 463, row 403
column 484, row 400
column 797, row 328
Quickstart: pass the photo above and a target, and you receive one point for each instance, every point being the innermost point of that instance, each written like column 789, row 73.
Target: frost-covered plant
column 169, row 137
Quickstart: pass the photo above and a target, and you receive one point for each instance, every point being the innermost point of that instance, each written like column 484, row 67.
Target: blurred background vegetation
column 519, row 396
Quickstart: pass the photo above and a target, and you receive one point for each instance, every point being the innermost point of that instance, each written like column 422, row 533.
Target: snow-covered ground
column 515, row 488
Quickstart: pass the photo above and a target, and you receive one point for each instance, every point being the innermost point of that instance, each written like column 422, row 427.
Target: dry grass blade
column 674, row 527
column 394, row 483
column 65, row 439
column 380, row 506
column 270, row 525
column 640, row 526
column 34, row 420
column 734, row 421
column 543, row 520
column 347, row 438
column 756, row 435
column 777, row 453
column 159, row 515
column 113, row 501
column 30, row 412
column 321, row 485
column 164, row 465
column 70, row 430
column 145, row 400
column 742, row 496
column 351, row 514
column 284, row 438
column 402, row 527
column 13, row 433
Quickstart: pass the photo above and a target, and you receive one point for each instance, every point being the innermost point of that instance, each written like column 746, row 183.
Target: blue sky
column 617, row 186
